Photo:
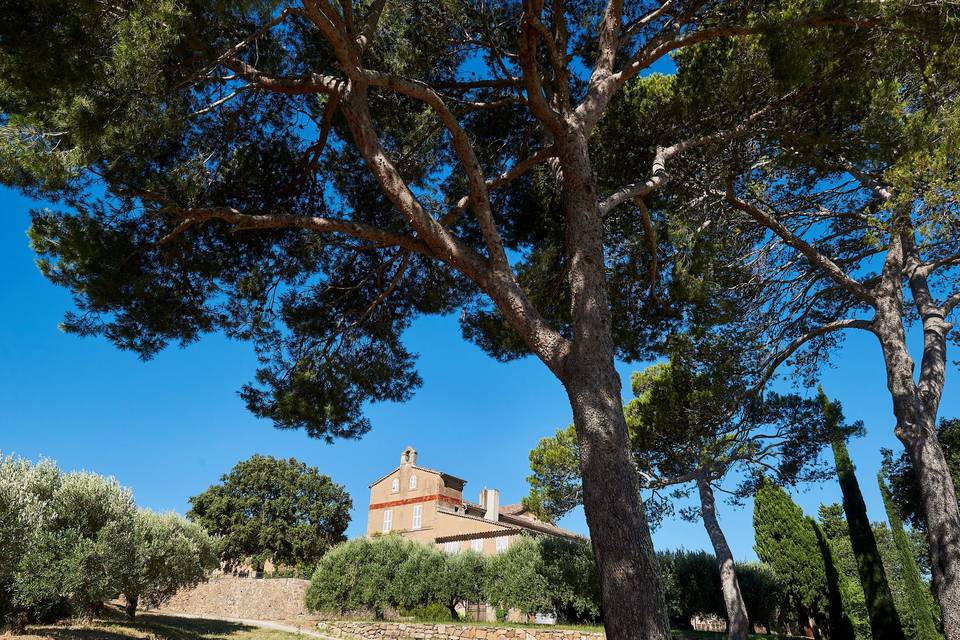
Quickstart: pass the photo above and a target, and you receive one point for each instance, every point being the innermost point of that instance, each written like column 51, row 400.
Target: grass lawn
column 153, row 627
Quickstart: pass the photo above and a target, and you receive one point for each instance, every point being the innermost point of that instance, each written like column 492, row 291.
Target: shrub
column 433, row 612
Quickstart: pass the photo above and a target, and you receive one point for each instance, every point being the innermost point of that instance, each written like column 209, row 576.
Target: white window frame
column 387, row 520
column 413, row 481
column 395, row 485
column 478, row 545
column 451, row 547
column 417, row 516
column 502, row 543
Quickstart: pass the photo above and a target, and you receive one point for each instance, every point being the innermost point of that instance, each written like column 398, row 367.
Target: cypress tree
column 919, row 613
column 884, row 622
column 841, row 628
column 787, row 542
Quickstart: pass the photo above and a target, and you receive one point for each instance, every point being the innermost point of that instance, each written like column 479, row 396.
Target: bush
column 433, row 612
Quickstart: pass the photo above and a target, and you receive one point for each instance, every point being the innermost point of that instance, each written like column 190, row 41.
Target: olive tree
column 171, row 554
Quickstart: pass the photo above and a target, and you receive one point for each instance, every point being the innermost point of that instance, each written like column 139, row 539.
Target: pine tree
column 884, row 622
column 918, row 617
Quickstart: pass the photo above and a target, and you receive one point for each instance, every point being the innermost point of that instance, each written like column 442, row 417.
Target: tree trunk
column 738, row 623
column 942, row 517
column 131, row 606
column 633, row 601
column 916, row 429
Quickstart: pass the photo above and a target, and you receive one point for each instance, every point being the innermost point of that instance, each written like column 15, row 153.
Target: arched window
column 395, row 485
column 413, row 481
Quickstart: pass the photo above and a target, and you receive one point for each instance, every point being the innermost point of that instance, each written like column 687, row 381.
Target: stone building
column 428, row 505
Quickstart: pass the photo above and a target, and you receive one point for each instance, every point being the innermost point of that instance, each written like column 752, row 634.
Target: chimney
column 490, row 501
column 409, row 456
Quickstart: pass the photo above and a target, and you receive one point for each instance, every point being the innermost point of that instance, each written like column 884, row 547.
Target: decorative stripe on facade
column 397, row 503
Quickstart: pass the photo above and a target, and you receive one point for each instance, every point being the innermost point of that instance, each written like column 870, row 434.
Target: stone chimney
column 490, row 502
column 409, row 456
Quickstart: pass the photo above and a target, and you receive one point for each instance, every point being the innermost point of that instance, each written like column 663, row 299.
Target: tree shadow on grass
column 145, row 627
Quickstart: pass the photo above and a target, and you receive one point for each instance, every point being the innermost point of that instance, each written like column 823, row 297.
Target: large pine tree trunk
column 738, row 623
column 915, row 411
column 942, row 517
column 633, row 602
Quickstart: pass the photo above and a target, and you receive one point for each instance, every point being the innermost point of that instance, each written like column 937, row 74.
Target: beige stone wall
column 349, row 630
column 248, row 598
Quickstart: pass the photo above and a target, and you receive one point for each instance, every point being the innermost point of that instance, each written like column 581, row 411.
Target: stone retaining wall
column 280, row 599
column 350, row 630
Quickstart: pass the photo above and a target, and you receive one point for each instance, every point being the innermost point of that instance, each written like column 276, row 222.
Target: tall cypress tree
column 919, row 614
column 884, row 622
column 841, row 627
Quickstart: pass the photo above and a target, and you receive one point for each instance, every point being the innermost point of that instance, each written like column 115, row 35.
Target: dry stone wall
column 351, row 630
column 253, row 599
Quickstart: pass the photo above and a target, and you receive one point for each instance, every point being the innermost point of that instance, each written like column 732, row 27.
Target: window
column 417, row 516
column 451, row 547
column 413, row 481
column 395, row 485
column 387, row 520
column 501, row 544
column 478, row 545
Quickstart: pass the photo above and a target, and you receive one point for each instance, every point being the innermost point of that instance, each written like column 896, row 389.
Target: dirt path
column 262, row 624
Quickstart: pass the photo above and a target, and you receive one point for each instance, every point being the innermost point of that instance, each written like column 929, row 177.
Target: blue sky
column 170, row 427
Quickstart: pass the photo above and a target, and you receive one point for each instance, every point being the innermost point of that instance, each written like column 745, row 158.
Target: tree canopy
column 268, row 509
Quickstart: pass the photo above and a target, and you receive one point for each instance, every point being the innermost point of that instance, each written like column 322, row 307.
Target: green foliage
column 171, row 554
column 555, row 484
column 71, row 541
column 918, row 609
column 277, row 510
column 516, row 579
column 787, row 542
column 692, row 585
column 394, row 574
column 433, row 612
column 762, row 593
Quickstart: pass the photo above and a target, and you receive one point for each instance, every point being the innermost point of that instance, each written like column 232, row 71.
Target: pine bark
column 738, row 622
column 915, row 406
column 633, row 598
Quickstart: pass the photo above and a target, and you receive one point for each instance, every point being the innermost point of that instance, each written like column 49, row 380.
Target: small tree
column 361, row 575
column 277, row 510
column 516, row 579
column 466, row 579
column 81, row 548
column 171, row 554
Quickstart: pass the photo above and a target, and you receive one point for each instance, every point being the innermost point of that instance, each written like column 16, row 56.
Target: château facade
column 428, row 505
